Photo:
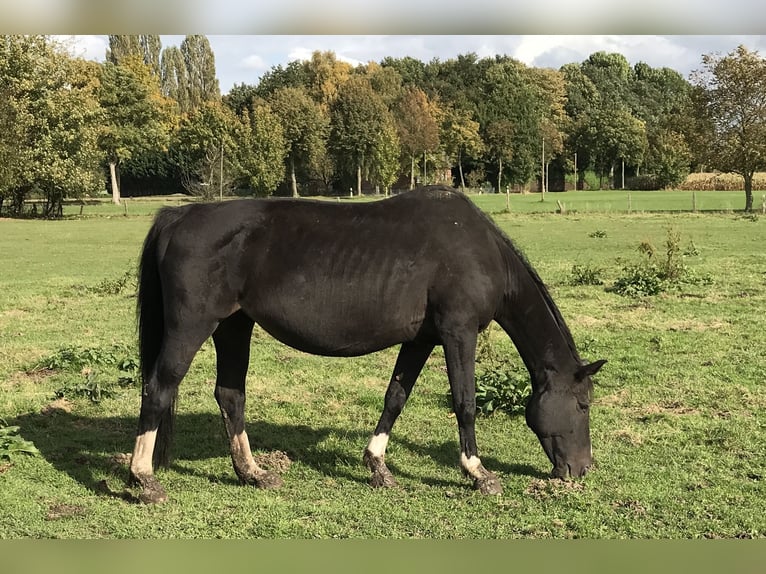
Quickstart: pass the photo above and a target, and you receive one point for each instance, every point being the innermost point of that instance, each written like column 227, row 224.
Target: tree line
column 152, row 120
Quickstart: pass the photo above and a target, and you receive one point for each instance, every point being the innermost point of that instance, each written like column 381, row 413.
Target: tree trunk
column 359, row 179
column 115, row 184
column 499, row 175
column 293, row 181
column 412, row 171
column 748, row 192
column 460, row 168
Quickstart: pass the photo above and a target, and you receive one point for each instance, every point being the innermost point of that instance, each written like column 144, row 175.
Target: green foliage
column 116, row 285
column 502, row 390
column 263, row 149
column 639, row 280
column 500, row 386
column 91, row 388
column 586, row 275
column 11, row 444
column 597, row 234
column 208, row 148
column 49, row 115
column 74, row 358
column 655, row 274
column 731, row 101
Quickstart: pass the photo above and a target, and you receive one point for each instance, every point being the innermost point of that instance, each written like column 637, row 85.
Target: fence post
column 763, row 204
column 694, row 201
column 630, row 203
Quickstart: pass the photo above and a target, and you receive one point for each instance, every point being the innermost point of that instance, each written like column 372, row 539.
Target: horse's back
column 340, row 277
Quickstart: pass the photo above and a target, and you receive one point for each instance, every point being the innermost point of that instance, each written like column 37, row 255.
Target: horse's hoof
column 382, row 480
column 489, row 484
column 151, row 490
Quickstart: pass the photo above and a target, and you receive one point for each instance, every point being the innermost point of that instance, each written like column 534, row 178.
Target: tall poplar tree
column 202, row 83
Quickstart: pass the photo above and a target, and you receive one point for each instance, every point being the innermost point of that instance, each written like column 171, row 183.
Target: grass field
column 678, row 424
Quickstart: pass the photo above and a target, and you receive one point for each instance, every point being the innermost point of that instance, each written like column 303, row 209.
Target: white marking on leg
column 141, row 463
column 377, row 445
column 242, row 455
column 471, row 465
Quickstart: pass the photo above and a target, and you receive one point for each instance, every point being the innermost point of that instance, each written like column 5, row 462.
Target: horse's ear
column 589, row 370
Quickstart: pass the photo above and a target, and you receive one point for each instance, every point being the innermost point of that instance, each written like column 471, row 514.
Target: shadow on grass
column 89, row 448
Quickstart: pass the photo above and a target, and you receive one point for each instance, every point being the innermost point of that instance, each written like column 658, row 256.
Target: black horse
column 420, row 269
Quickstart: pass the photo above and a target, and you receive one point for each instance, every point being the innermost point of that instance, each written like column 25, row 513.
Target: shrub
column 500, row 385
column 585, row 275
column 502, row 390
column 652, row 276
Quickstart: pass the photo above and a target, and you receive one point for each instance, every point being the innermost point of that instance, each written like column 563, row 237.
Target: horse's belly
column 327, row 329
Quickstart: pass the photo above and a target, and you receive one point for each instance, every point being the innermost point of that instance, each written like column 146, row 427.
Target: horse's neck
column 530, row 320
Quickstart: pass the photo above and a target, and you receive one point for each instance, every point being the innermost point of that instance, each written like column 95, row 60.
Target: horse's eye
column 583, row 406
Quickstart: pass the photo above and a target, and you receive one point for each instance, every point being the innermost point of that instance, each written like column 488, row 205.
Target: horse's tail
column 151, row 325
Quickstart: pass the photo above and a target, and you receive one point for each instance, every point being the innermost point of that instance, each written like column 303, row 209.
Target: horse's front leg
column 232, row 345
column 460, row 352
column 409, row 363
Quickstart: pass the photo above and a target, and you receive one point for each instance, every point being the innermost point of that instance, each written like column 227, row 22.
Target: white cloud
column 86, row 47
column 254, row 62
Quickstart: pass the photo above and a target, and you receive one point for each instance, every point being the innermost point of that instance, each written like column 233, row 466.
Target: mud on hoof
column 488, row 484
column 151, row 490
column 381, row 476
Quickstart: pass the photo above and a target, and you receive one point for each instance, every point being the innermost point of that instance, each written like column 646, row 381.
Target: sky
column 245, row 58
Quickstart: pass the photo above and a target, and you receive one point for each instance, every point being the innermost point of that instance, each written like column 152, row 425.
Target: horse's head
column 558, row 413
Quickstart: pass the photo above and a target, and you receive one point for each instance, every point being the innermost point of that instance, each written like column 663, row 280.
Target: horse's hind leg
column 232, row 345
column 157, row 404
column 409, row 363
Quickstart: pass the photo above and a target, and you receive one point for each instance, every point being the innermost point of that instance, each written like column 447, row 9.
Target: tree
column 199, row 61
column 263, row 149
column 417, row 120
column 668, row 157
column 148, row 47
column 137, row 118
column 499, row 140
column 206, row 150
column 460, row 137
column 734, row 99
column 357, row 119
column 662, row 99
column 385, row 156
column 324, row 76
column 173, row 78
column 304, row 127
column 51, row 113
column 613, row 135
column 511, row 116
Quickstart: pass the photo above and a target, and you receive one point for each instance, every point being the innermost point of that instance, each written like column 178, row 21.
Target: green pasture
column 678, row 421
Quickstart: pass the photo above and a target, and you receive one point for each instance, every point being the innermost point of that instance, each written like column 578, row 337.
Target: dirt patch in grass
column 61, row 405
column 276, row 461
column 58, row 511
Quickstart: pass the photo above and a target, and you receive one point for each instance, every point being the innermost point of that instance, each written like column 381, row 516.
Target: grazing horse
column 420, row 269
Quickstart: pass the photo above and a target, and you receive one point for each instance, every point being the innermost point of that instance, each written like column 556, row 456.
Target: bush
column 643, row 182
column 585, row 275
column 651, row 277
column 500, row 385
